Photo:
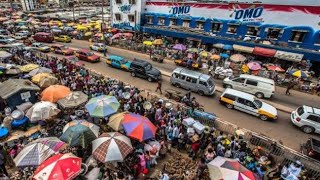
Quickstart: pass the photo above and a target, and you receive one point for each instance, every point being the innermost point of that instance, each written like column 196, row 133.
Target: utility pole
column 103, row 30
column 135, row 24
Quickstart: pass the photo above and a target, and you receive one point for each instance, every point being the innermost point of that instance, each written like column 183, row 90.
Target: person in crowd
column 159, row 84
column 3, row 161
column 201, row 168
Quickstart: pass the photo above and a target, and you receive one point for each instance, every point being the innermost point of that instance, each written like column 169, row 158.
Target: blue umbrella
column 102, row 106
column 224, row 55
column 4, row 132
column 227, row 47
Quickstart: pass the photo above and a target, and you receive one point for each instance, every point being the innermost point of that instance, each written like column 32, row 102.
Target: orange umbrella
column 54, row 93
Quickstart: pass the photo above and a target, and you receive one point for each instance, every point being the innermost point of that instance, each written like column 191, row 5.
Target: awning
column 242, row 48
column 219, row 45
column 296, row 57
column 264, row 52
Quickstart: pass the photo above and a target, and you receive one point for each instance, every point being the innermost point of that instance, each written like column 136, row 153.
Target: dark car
column 145, row 70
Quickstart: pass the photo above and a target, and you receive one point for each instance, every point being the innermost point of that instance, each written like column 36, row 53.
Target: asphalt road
column 280, row 129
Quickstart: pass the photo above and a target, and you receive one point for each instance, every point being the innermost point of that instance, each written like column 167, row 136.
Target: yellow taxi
column 62, row 38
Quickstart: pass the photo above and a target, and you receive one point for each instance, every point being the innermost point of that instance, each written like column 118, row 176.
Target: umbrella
column 128, row 34
column 38, row 77
column 54, row 93
column 98, row 35
column 102, row 106
column 193, row 50
column 115, row 121
column 28, row 67
column 34, row 153
column 13, row 71
column 229, row 169
column 74, row 99
column 227, row 47
column 60, row 166
column 88, row 34
column 254, row 66
column 147, row 43
column 23, row 27
column 224, row 55
column 204, row 54
column 215, row 57
column 157, row 42
column 179, row 47
column 138, row 127
column 39, row 70
column 299, row 74
column 237, row 58
column 48, row 81
column 42, row 111
column 275, row 68
column 152, row 146
column 5, row 55
column 111, row 146
column 116, row 36
column 79, row 133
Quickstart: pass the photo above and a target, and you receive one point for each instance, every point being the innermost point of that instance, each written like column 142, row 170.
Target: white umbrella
column 40, row 70
column 111, row 146
column 237, row 58
column 42, row 110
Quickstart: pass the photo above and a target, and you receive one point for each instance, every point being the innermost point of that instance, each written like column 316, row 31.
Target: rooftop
column 12, row 86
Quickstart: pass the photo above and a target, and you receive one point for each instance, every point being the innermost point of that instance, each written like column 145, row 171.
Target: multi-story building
column 288, row 30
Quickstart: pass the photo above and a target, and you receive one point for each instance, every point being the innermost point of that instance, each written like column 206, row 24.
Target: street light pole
column 103, row 28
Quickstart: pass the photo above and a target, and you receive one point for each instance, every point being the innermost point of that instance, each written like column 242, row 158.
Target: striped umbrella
column 299, row 74
column 34, row 153
column 102, row 106
column 111, row 146
column 138, row 127
column 275, row 68
column 79, row 133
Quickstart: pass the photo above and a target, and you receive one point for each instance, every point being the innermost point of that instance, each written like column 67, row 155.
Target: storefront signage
column 288, row 56
column 180, row 10
column 125, row 8
column 250, row 14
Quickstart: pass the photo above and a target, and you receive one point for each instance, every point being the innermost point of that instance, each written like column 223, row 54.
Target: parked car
column 61, row 49
column 74, row 60
column 62, row 38
column 43, row 37
column 307, row 118
column 6, row 39
column 86, row 55
column 118, row 62
column 41, row 47
column 4, row 32
column 145, row 70
column 258, row 86
column 234, row 99
column 98, row 47
column 20, row 36
column 25, row 33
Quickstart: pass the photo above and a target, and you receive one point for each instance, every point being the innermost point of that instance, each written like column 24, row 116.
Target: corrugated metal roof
column 12, row 86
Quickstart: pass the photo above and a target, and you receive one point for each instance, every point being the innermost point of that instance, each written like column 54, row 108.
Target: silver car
column 307, row 118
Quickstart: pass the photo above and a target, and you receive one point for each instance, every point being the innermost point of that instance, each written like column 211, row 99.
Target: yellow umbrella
column 245, row 68
column 204, row 54
column 28, row 67
column 147, row 43
column 37, row 78
column 215, row 57
column 82, row 28
column 158, row 42
column 88, row 34
column 115, row 121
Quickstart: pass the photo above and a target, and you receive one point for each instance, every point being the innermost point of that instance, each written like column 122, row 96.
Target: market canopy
column 264, row 52
column 54, row 93
column 74, row 99
column 40, row 70
column 5, row 55
column 115, row 121
column 42, row 110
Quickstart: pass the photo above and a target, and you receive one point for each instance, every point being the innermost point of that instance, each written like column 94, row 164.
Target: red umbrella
column 275, row 68
column 59, row 167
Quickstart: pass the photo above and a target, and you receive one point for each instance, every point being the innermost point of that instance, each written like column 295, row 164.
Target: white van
column 191, row 80
column 248, row 103
column 258, row 86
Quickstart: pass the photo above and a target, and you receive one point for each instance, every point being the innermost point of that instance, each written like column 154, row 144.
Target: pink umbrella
column 116, row 36
column 179, row 47
column 254, row 66
column 128, row 34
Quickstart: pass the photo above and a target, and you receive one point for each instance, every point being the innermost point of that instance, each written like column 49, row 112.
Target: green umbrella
column 102, row 106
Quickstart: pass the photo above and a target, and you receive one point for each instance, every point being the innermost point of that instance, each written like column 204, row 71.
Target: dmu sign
column 180, row 10
column 250, row 14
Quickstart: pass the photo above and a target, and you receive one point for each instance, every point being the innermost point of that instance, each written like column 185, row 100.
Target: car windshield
column 258, row 103
column 234, row 77
column 123, row 61
column 90, row 54
column 148, row 67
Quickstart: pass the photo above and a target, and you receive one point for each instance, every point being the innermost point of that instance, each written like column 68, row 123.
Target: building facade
column 293, row 30
column 126, row 14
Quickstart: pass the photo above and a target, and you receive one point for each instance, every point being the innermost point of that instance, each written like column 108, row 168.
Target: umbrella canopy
column 229, row 169
column 116, row 36
column 227, row 47
column 34, row 153
column 102, row 106
column 4, row 54
column 215, row 57
column 193, row 50
column 48, row 81
column 28, row 67
column 128, row 34
column 111, row 146
column 138, row 127
column 147, row 43
column 42, row 111
column 299, row 74
column 204, row 53
column 54, row 93
column 157, row 42
column 40, row 70
column 224, row 55
column 73, row 100
column 275, row 68
column 60, row 166
column 115, row 121
column 13, row 71
column 38, row 77
column 179, row 47
column 237, row 58
column 79, row 133
column 254, row 66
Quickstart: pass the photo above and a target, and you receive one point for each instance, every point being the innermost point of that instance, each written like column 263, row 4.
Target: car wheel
column 178, row 85
column 264, row 117
column 201, row 93
column 259, row 95
column 229, row 106
column 228, row 86
column 133, row 74
column 307, row 129
column 149, row 79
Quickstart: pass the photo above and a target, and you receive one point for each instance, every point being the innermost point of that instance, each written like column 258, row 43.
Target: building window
column 132, row 1
column 118, row 1
column 200, row 25
column 150, row 19
column 232, row 29
column 216, row 27
column 118, row 17
column 273, row 33
column 186, row 23
column 161, row 21
column 298, row 36
column 253, row 31
column 131, row 17
column 173, row 22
